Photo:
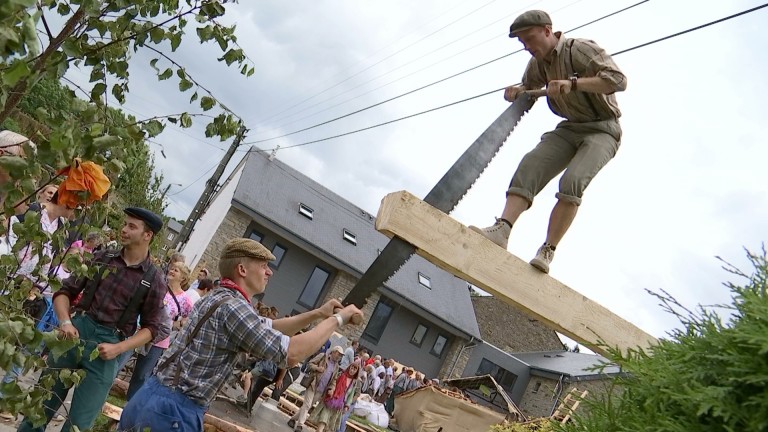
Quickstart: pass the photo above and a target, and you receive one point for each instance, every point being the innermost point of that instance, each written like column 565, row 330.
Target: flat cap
column 526, row 20
column 153, row 221
column 246, row 248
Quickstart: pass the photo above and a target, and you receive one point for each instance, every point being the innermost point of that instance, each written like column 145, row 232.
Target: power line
column 196, row 180
column 692, row 29
column 370, row 66
column 435, row 82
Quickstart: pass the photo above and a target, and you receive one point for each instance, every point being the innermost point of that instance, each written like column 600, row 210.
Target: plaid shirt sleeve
column 153, row 315
column 249, row 333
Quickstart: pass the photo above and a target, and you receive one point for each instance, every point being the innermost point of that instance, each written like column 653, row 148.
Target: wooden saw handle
column 536, row 93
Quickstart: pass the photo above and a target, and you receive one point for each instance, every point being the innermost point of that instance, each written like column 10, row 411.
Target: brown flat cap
column 526, row 20
column 246, row 248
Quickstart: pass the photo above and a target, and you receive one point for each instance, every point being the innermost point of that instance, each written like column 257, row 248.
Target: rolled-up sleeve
column 154, row 317
column 255, row 335
column 599, row 63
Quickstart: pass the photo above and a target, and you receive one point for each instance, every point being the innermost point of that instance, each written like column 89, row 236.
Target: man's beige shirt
column 587, row 59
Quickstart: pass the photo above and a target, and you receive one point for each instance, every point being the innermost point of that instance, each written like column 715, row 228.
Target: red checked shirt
column 210, row 357
column 114, row 292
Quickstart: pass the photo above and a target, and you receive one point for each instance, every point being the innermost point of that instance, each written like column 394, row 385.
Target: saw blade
column 444, row 196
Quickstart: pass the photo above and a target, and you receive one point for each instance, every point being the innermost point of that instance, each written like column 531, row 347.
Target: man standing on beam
column 581, row 81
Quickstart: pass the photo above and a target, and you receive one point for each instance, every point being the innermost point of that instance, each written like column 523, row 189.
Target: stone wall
column 234, row 225
column 510, row 330
column 341, row 286
column 539, row 397
column 455, row 359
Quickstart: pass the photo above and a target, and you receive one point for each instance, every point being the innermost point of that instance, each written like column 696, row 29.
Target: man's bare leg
column 514, row 207
column 560, row 220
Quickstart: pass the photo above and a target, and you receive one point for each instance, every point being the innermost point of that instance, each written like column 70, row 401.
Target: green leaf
column 106, row 141
column 185, row 85
column 193, row 98
column 15, row 73
column 175, row 39
column 166, row 74
column 157, row 35
column 250, row 72
column 98, row 90
column 153, row 128
column 186, row 120
column 207, row 102
column 63, row 9
column 153, row 64
column 30, row 35
column 94, row 354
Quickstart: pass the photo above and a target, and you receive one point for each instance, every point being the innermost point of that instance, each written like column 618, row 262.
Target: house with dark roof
column 422, row 316
column 538, row 381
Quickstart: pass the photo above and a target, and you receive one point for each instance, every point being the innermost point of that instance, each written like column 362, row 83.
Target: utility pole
column 210, row 189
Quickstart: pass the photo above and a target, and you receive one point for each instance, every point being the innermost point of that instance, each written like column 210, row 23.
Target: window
column 349, row 237
column 505, row 378
column 255, row 235
column 418, row 335
column 279, row 252
column 424, row 280
column 439, row 347
column 306, row 211
column 313, row 288
column 378, row 321
column 171, row 236
column 536, row 387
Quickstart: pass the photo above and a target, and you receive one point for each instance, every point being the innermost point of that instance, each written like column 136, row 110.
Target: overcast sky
column 688, row 183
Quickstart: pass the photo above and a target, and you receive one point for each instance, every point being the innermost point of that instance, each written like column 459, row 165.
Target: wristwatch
column 574, row 81
column 65, row 322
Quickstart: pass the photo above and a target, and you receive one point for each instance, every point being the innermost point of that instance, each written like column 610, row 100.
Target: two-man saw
column 446, row 194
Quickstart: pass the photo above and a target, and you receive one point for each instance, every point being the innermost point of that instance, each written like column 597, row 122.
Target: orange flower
column 85, row 183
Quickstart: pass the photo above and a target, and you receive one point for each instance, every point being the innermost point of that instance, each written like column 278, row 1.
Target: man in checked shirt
column 581, row 80
column 102, row 323
column 223, row 324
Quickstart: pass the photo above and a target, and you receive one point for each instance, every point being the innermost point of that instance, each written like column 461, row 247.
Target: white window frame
column 422, row 278
column 349, row 236
column 306, row 211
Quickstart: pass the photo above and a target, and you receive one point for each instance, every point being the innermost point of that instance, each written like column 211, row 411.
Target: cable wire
column 692, row 29
column 434, row 82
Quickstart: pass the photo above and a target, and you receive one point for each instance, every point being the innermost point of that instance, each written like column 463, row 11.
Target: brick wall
column 510, row 330
column 234, row 225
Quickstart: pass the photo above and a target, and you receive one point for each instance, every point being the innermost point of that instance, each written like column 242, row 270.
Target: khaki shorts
column 581, row 149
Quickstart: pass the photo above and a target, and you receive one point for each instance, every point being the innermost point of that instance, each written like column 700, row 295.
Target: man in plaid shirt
column 223, row 324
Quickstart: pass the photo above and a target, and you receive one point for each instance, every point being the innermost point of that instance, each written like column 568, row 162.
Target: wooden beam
column 470, row 256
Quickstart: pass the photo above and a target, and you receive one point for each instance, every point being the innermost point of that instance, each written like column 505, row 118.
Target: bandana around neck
column 228, row 283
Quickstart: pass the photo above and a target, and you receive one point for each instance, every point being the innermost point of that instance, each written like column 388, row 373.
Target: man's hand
column 329, row 308
column 108, row 351
column 278, row 384
column 558, row 88
column 512, row 92
column 351, row 314
column 68, row 331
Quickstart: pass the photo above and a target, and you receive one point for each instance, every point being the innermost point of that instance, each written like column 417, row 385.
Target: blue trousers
column 145, row 364
column 160, row 408
column 90, row 395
